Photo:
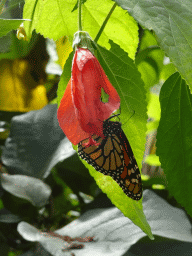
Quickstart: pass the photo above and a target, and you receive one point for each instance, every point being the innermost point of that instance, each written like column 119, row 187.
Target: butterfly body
column 114, row 157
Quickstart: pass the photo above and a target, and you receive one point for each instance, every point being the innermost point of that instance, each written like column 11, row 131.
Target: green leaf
column 174, row 138
column 121, row 27
column 171, row 21
column 167, row 71
column 130, row 208
column 125, row 77
column 148, row 74
column 149, row 59
column 64, row 79
column 152, row 126
column 143, row 54
column 7, row 25
column 154, row 110
column 61, row 22
column 13, row 48
column 152, row 160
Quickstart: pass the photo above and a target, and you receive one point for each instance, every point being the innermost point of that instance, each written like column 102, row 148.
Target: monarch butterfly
column 113, row 156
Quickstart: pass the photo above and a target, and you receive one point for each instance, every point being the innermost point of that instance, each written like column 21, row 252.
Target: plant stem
column 80, row 25
column 104, row 23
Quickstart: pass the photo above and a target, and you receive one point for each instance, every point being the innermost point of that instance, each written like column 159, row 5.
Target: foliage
column 45, row 187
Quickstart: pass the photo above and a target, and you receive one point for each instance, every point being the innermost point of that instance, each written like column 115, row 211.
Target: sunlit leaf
column 125, row 77
column 7, row 25
column 121, row 28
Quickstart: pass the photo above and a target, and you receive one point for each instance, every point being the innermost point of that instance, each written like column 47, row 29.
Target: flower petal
column 88, row 78
column 68, row 120
column 81, row 112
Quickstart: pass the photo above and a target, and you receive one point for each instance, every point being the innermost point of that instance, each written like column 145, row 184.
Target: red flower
column 81, row 112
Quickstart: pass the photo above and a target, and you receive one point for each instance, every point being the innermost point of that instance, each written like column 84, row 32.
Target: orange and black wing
column 114, row 157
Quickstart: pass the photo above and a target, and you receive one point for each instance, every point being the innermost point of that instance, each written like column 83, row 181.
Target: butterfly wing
column 106, row 157
column 114, row 157
column 130, row 177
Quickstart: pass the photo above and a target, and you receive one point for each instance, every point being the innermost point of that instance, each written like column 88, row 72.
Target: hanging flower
column 81, row 112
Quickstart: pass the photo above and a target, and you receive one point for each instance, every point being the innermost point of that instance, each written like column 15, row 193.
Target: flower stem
column 80, row 25
column 104, row 23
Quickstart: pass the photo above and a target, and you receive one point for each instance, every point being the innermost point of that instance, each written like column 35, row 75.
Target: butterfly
column 113, row 156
